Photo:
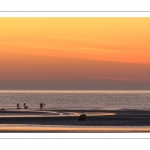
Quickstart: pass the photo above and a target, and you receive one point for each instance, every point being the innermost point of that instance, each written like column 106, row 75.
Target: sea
column 139, row 100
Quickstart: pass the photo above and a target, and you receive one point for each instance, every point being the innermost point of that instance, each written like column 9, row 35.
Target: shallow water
column 78, row 100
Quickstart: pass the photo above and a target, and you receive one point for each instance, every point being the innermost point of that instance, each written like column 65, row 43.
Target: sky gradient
column 75, row 53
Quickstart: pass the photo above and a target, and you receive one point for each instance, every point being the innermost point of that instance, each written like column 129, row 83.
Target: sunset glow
column 75, row 53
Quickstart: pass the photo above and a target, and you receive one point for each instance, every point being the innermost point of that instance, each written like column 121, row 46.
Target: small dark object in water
column 82, row 117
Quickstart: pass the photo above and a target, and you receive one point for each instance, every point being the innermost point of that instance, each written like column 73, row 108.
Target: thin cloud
column 114, row 78
column 91, row 49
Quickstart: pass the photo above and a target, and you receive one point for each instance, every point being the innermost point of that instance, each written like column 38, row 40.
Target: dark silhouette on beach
column 41, row 105
column 82, row 117
column 18, row 106
column 25, row 107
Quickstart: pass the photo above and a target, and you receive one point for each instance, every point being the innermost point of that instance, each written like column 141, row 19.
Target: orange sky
column 74, row 53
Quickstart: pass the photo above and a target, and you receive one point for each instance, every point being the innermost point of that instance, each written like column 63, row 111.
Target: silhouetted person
column 25, row 107
column 18, row 106
column 41, row 105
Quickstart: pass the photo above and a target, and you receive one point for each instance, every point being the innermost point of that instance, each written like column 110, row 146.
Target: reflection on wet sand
column 57, row 120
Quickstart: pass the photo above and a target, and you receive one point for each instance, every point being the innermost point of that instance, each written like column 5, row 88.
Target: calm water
column 71, row 100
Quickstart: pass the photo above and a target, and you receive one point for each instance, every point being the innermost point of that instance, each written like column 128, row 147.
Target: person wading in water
column 41, row 105
column 18, row 106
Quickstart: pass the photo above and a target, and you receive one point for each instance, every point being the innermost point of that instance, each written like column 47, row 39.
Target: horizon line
column 76, row 91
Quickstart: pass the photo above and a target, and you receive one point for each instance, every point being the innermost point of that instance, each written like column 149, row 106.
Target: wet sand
column 42, row 129
column 56, row 120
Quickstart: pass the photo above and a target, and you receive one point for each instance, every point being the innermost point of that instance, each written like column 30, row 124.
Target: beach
column 66, row 120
